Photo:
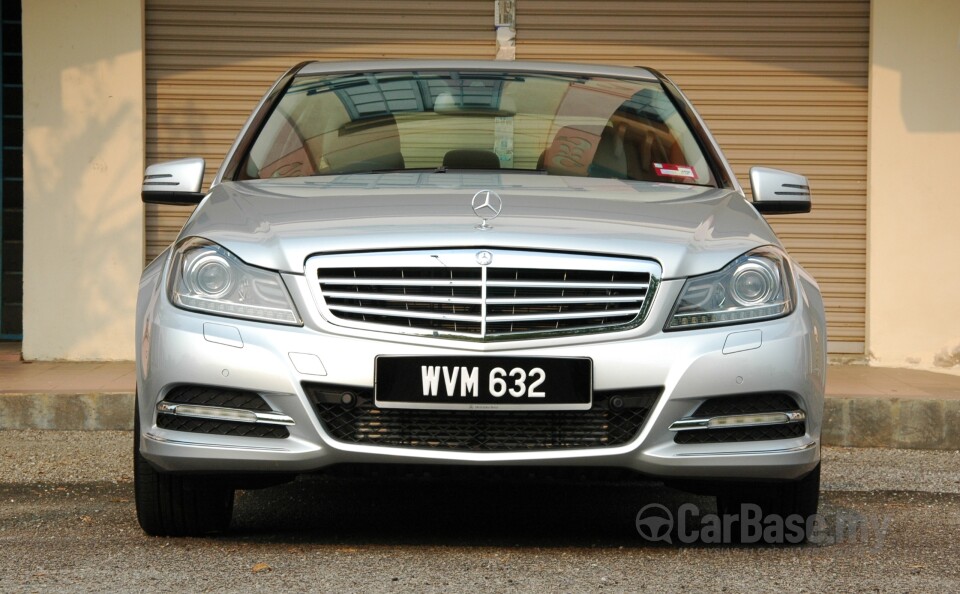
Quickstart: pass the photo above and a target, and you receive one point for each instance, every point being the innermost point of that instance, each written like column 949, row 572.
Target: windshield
column 441, row 120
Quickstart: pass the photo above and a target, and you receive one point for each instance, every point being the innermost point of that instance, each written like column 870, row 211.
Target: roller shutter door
column 781, row 83
column 208, row 64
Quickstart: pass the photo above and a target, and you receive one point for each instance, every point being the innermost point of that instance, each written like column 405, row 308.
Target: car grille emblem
column 486, row 205
column 484, row 258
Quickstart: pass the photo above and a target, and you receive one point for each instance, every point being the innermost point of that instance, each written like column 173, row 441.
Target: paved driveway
column 67, row 524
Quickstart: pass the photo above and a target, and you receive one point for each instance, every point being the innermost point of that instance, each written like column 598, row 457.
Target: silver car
column 475, row 264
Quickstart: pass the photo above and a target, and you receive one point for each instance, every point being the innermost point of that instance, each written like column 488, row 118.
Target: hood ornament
column 486, row 205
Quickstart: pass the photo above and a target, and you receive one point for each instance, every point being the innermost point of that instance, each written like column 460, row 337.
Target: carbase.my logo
column 656, row 523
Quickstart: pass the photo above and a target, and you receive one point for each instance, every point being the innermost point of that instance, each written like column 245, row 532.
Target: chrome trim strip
column 402, row 298
column 578, row 315
column 800, row 448
column 689, row 423
column 570, row 285
column 219, row 413
column 399, row 282
column 535, row 300
column 484, row 292
column 420, row 315
column 794, row 416
column 197, row 444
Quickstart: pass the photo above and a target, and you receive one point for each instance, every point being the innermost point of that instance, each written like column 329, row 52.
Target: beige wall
column 83, row 162
column 913, row 210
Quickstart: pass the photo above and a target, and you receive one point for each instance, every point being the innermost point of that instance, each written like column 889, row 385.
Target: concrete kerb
column 67, row 412
column 912, row 423
column 924, row 424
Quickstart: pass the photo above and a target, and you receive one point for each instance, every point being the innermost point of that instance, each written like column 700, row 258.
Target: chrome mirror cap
column 779, row 192
column 173, row 182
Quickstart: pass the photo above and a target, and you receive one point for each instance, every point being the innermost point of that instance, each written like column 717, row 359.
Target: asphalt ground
column 890, row 522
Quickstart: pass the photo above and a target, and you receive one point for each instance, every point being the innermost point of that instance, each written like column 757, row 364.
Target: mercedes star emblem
column 484, row 258
column 486, row 205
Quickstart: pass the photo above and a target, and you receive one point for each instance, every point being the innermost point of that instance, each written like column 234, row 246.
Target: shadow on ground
column 444, row 511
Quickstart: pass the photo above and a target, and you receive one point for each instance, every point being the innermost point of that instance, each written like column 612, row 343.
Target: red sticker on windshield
column 671, row 170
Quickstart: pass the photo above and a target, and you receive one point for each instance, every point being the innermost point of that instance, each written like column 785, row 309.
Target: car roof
column 478, row 65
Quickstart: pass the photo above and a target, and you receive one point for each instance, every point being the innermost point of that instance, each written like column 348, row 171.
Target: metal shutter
column 208, row 63
column 780, row 83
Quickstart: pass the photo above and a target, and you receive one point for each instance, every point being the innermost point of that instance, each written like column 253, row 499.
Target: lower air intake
column 485, row 431
column 223, row 398
column 741, row 405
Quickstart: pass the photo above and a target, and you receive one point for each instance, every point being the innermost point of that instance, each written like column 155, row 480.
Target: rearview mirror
column 779, row 192
column 173, row 182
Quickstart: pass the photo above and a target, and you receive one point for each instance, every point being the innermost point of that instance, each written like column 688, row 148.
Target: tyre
column 783, row 500
column 178, row 505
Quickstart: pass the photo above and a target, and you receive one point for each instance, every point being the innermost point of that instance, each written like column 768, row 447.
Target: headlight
column 206, row 277
column 755, row 286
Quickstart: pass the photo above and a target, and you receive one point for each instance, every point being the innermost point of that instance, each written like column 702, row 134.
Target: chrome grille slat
column 558, row 300
column 410, row 282
column 446, row 293
column 403, row 297
column 410, row 313
column 558, row 316
column 562, row 285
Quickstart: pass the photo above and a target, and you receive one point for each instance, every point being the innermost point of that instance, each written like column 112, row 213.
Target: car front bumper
column 180, row 347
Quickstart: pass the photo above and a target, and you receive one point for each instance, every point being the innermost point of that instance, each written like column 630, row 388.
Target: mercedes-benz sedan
column 475, row 264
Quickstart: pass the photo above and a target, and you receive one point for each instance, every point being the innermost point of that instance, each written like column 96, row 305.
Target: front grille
column 744, row 405
column 518, row 294
column 483, row 431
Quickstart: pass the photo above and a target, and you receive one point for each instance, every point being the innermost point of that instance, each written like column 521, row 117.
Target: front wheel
column 178, row 505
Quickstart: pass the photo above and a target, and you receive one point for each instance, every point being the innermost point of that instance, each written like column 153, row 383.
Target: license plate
column 484, row 383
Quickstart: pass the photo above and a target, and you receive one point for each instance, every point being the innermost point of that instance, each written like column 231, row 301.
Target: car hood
column 278, row 224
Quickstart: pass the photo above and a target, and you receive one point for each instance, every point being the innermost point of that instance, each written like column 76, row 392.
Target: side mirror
column 173, row 182
column 779, row 192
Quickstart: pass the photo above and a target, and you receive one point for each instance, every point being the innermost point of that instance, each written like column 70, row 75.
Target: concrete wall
column 913, row 291
column 83, row 154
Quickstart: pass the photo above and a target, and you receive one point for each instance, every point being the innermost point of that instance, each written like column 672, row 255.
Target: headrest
column 471, row 159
